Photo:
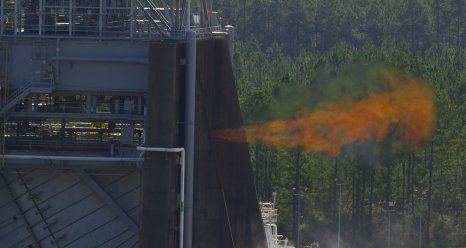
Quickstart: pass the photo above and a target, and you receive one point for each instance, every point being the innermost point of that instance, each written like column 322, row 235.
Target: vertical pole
column 57, row 63
column 296, row 196
column 231, row 43
column 139, row 105
column 2, row 15
column 182, row 182
column 101, row 17
column 131, row 22
column 389, row 225
column 117, row 106
column 94, row 104
column 188, row 15
column 420, row 230
column 41, row 7
column 339, row 216
column 15, row 16
column 88, row 103
column 70, row 19
column 189, row 132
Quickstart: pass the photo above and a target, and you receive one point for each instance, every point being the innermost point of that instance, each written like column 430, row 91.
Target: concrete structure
column 85, row 82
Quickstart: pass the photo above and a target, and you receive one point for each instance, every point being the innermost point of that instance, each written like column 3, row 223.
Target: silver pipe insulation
column 189, row 132
column 136, row 60
column 72, row 158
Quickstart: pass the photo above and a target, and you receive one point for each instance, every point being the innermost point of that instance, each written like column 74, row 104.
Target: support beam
column 109, row 201
column 15, row 16
column 133, row 18
column 41, row 17
column 70, row 19
column 2, row 16
column 101, row 17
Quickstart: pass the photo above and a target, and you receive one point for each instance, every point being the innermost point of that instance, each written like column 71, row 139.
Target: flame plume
column 405, row 103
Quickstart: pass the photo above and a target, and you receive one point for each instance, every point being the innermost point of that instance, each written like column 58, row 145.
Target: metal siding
column 99, row 76
column 77, row 216
column 20, row 64
column 117, row 239
column 83, row 75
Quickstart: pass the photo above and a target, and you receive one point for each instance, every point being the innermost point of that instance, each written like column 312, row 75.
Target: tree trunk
column 437, row 20
column 403, row 182
column 408, row 183
column 429, row 193
column 371, row 199
column 358, row 197
column 334, row 197
column 353, row 201
column 403, row 195
column 412, row 185
column 363, row 190
column 296, row 196
column 257, row 171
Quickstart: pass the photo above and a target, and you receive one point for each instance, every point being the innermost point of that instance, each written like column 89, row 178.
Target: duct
column 189, row 130
column 72, row 158
column 231, row 42
column 141, row 60
column 182, row 179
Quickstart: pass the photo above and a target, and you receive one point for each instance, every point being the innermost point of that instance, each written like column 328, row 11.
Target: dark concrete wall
column 223, row 173
column 159, row 213
column 226, row 212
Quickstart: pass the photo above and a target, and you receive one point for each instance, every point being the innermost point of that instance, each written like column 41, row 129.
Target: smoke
column 403, row 106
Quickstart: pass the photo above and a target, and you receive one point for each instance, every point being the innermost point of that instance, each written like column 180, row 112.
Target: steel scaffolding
column 103, row 18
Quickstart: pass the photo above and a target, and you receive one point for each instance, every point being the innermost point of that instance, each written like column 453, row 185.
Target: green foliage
column 295, row 54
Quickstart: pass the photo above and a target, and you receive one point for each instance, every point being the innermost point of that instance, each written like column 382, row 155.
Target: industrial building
column 108, row 109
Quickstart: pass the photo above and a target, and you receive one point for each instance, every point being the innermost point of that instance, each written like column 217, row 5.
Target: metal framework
column 105, row 18
column 73, row 87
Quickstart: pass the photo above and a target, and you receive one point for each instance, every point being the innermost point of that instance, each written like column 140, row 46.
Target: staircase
column 19, row 94
column 155, row 16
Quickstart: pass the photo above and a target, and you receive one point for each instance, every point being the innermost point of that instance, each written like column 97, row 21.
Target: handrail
column 152, row 19
column 159, row 15
column 17, row 92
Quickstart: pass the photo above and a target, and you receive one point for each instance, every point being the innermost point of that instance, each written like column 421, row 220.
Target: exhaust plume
column 404, row 105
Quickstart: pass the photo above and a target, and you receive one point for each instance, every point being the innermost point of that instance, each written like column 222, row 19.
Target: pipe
column 73, row 158
column 136, row 60
column 231, row 43
column 189, row 131
column 182, row 179
column 67, row 37
column 159, row 149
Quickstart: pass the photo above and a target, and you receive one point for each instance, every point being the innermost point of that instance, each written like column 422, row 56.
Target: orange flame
column 405, row 102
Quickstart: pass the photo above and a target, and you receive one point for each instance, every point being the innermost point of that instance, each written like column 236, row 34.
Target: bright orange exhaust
column 406, row 105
